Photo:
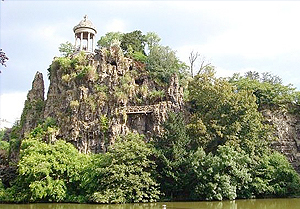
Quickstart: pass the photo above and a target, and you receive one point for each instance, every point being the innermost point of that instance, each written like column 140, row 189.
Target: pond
column 291, row 203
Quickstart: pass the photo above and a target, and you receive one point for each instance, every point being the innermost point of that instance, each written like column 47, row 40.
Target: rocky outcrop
column 90, row 97
column 33, row 111
column 287, row 132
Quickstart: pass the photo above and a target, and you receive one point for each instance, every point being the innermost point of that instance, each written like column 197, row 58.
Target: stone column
column 93, row 43
column 88, row 42
column 75, row 41
column 81, row 37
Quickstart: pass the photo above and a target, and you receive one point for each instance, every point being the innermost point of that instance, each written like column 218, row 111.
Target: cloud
column 249, row 29
column 11, row 106
column 116, row 25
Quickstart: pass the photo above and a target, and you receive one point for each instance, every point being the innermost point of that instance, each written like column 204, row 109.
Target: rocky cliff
column 33, row 111
column 95, row 97
column 287, row 126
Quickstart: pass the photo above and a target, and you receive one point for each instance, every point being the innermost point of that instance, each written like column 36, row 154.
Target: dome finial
column 85, row 17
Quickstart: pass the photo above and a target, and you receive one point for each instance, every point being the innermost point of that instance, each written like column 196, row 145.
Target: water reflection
column 237, row 204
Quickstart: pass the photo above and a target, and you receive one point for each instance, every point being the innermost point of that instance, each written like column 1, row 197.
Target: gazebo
column 85, row 33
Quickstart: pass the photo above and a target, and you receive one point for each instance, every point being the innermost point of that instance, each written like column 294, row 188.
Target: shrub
column 124, row 173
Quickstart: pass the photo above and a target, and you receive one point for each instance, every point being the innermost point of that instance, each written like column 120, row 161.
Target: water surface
column 293, row 203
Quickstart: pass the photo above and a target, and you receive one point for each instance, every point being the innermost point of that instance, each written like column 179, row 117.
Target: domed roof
column 85, row 23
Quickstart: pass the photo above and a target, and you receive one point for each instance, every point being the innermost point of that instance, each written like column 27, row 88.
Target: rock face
column 94, row 98
column 287, row 127
column 34, row 105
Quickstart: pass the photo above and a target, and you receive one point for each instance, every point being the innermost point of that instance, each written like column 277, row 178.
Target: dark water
column 293, row 203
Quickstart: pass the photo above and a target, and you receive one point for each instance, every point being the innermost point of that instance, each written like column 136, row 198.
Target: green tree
column 172, row 151
column 46, row 171
column 66, row 49
column 124, row 173
column 273, row 176
column 267, row 88
column 109, row 39
column 134, row 41
column 225, row 175
column 4, row 152
column 221, row 115
column 152, row 39
column 162, row 63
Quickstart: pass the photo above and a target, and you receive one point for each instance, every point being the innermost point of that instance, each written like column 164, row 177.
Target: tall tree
column 162, row 63
column 172, row 158
column 221, row 114
column 152, row 39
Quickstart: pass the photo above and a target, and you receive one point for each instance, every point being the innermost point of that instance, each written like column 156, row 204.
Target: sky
column 234, row 36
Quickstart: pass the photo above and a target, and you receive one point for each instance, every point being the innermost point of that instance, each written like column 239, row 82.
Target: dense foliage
column 221, row 115
column 123, row 174
column 57, row 172
column 268, row 89
column 161, row 61
column 172, row 152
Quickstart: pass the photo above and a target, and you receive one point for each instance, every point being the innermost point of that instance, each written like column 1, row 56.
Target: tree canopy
column 268, row 89
column 221, row 115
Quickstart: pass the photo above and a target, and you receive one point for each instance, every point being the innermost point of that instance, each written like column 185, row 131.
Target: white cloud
column 249, row 29
column 11, row 106
column 116, row 25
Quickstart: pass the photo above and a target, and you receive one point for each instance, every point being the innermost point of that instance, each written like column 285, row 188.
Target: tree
column 224, row 175
column 172, row 151
column 192, row 58
column 268, row 89
column 66, row 49
column 253, row 75
column 110, row 38
column 221, row 115
column 273, row 176
column 124, row 174
column 162, row 64
column 152, row 39
column 47, row 171
column 134, row 40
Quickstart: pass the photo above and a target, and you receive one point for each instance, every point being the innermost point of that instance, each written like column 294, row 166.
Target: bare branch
column 192, row 58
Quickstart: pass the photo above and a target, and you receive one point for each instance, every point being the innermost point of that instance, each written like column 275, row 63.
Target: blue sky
column 235, row 36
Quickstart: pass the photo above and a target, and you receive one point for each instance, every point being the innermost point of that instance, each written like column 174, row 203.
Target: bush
column 124, row 174
column 47, row 172
column 225, row 175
